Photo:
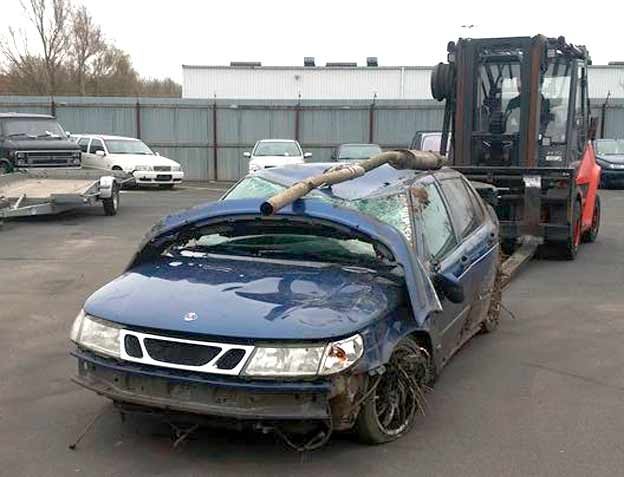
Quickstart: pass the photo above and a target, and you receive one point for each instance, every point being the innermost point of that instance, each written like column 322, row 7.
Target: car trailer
column 26, row 193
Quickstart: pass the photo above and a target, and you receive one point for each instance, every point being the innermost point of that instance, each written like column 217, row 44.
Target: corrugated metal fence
column 209, row 137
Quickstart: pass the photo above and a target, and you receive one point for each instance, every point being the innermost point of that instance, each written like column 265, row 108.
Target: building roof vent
column 245, row 64
column 341, row 64
column 372, row 62
column 309, row 61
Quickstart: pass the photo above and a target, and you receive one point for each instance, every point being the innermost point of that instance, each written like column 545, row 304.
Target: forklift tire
column 571, row 246
column 111, row 205
column 592, row 234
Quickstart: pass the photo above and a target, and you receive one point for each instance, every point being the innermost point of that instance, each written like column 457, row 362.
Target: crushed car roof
column 382, row 180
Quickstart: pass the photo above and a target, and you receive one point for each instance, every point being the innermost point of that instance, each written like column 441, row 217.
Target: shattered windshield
column 389, row 209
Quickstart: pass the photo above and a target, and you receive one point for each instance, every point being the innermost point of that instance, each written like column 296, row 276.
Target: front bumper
column 173, row 390
column 158, row 177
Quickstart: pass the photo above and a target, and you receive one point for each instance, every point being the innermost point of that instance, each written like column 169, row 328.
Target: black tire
column 5, row 168
column 592, row 234
column 166, row 186
column 396, row 396
column 571, row 245
column 111, row 205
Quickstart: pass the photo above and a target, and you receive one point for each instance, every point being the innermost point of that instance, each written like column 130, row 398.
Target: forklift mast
column 518, row 116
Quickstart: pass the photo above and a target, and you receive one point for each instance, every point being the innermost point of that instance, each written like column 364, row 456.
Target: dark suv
column 34, row 140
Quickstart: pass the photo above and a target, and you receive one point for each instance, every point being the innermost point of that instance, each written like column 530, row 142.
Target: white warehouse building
column 253, row 81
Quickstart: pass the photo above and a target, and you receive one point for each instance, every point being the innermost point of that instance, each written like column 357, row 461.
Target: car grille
column 202, row 356
column 180, row 353
column 162, row 168
column 49, row 158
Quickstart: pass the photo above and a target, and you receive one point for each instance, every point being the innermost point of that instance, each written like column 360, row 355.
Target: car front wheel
column 396, row 396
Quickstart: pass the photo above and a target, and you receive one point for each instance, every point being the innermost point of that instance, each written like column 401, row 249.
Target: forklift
column 517, row 113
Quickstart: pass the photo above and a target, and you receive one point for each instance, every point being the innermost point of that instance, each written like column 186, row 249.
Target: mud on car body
column 336, row 311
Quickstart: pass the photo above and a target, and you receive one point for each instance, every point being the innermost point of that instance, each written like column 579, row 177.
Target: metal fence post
column 297, row 118
column 52, row 106
column 215, row 144
column 371, row 120
column 137, row 110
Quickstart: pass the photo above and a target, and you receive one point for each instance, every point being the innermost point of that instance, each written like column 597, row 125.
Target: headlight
column 176, row 168
column 305, row 361
column 76, row 161
column 144, row 168
column 97, row 335
column 19, row 155
column 341, row 354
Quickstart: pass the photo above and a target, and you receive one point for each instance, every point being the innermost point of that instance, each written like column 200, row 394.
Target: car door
column 86, row 159
column 478, row 248
column 101, row 162
column 440, row 253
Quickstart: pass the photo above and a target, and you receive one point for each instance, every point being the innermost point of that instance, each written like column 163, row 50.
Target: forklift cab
column 519, row 102
column 518, row 115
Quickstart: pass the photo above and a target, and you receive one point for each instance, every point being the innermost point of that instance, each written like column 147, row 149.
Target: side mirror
column 447, row 285
column 246, row 154
column 100, row 153
column 68, row 134
column 307, row 154
column 157, row 153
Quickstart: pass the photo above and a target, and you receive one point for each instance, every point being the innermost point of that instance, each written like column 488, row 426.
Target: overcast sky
column 161, row 35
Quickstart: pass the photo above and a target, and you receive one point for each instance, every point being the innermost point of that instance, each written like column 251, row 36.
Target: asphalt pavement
column 542, row 396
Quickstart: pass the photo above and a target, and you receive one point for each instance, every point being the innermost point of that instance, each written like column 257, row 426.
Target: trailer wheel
column 396, row 396
column 592, row 234
column 571, row 246
column 111, row 205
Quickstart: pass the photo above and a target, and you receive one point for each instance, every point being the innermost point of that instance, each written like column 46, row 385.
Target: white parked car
column 275, row 152
column 129, row 155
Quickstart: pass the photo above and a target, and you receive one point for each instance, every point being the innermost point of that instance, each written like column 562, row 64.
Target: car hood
column 143, row 159
column 275, row 161
column 247, row 298
column 40, row 144
column 612, row 158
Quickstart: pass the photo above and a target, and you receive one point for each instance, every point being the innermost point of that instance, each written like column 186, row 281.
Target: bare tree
column 70, row 56
column 87, row 42
column 51, row 20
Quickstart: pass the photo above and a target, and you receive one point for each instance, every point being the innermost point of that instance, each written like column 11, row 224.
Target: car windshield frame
column 358, row 147
column 113, row 150
column 260, row 144
column 32, row 128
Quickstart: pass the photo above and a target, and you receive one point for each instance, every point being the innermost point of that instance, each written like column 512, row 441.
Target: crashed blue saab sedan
column 335, row 312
